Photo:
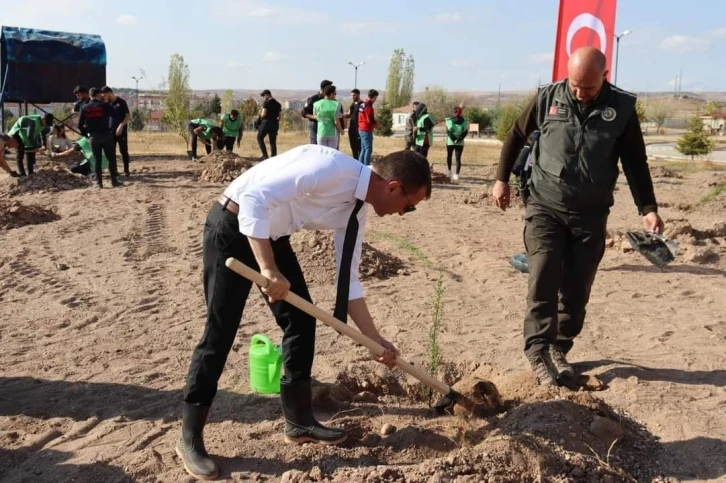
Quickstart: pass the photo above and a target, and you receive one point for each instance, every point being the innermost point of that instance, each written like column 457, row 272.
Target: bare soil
column 102, row 308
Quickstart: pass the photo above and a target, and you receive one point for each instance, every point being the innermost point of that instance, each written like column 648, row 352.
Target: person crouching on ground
column 309, row 186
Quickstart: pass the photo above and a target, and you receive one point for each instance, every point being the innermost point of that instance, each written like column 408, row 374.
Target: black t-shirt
column 308, row 109
column 120, row 109
column 273, row 109
column 353, row 123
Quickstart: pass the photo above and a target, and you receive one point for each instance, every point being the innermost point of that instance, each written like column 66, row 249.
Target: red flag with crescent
column 581, row 23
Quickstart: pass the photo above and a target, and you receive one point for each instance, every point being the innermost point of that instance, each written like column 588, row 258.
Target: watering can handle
column 311, row 309
column 260, row 338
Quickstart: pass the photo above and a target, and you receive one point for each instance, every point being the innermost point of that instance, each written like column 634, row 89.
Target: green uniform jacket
column 84, row 144
column 459, row 130
column 207, row 124
column 30, row 129
column 421, row 134
column 230, row 127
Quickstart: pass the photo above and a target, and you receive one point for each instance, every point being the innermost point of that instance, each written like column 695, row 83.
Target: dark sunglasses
column 410, row 206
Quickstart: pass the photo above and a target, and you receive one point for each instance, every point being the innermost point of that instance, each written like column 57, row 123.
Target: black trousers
column 229, row 143
column 122, row 142
column 268, row 129
column 354, row 139
column 21, row 156
column 422, row 150
column 103, row 143
column 207, row 147
column 410, row 143
column 226, row 293
column 563, row 253
column 451, row 149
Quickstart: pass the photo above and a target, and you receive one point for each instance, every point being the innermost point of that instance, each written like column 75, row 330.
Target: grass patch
column 692, row 166
column 713, row 193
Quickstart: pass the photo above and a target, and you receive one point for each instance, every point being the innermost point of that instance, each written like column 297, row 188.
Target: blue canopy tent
column 42, row 66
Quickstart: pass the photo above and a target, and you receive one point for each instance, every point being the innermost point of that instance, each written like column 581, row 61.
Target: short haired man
column 410, row 127
column 307, row 111
column 95, row 123
column 269, row 124
column 209, row 134
column 352, row 116
column 7, row 142
column 29, row 132
column 233, row 125
column 328, row 113
column 119, row 125
column 252, row 222
column 585, row 125
column 366, row 124
column 82, row 97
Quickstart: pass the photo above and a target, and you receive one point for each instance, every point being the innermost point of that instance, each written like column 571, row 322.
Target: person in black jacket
column 95, row 123
column 307, row 111
column 353, row 135
column 269, row 124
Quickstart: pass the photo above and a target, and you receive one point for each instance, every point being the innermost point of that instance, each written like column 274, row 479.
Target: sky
column 472, row 45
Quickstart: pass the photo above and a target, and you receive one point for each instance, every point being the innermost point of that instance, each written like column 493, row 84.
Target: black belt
column 228, row 205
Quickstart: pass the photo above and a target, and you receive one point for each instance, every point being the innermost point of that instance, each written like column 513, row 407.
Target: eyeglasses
column 410, row 206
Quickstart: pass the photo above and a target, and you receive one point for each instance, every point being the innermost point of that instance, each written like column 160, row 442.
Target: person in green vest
column 456, row 130
column 30, row 132
column 210, row 135
column 329, row 114
column 232, row 125
column 88, row 164
column 424, row 133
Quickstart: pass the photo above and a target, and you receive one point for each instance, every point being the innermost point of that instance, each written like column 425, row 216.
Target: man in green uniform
column 329, row 114
column 29, row 132
column 586, row 124
column 205, row 130
column 424, row 134
column 456, row 130
column 232, row 126
column 87, row 166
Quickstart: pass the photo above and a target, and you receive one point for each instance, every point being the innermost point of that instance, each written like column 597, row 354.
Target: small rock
column 609, row 243
column 387, row 429
column 292, row 476
column 61, row 266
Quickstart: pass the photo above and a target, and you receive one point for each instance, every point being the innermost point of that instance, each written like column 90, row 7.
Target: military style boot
column 190, row 447
column 543, row 368
column 564, row 369
column 300, row 423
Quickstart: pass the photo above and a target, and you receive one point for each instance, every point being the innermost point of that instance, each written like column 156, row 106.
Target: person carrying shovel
column 308, row 187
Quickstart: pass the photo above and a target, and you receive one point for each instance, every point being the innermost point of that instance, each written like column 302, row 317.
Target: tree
column 505, row 119
column 227, row 99
column 400, row 81
column 477, row 115
column 384, row 116
column 695, row 141
column 439, row 103
column 286, row 120
column 641, row 110
column 659, row 112
column 176, row 105
column 216, row 104
column 61, row 112
column 137, row 120
column 248, row 109
column 710, row 108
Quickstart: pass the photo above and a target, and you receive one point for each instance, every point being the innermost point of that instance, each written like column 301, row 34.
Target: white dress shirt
column 310, row 187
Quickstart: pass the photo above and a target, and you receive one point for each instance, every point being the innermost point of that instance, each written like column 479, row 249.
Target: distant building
column 400, row 114
column 715, row 123
column 295, row 105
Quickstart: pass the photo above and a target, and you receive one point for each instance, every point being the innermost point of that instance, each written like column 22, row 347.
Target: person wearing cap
column 7, row 142
column 269, row 123
column 30, row 133
column 329, row 114
column 307, row 111
column 233, row 125
column 457, row 129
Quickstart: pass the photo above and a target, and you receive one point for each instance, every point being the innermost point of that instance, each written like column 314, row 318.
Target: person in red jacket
column 366, row 124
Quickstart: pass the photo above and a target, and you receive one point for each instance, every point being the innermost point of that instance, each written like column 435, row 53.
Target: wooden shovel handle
column 314, row 311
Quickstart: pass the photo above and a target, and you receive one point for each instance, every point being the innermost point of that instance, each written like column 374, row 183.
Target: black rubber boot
column 300, row 423
column 190, row 447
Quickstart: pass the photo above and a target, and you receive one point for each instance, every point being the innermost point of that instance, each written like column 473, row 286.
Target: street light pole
column 355, row 66
column 617, row 53
column 137, row 79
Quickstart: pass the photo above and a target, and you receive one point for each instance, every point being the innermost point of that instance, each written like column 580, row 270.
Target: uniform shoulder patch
column 608, row 114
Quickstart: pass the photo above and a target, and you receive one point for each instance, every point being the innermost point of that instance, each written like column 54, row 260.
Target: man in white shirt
column 309, row 187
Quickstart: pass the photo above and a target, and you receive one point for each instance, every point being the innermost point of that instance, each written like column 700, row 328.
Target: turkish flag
column 583, row 23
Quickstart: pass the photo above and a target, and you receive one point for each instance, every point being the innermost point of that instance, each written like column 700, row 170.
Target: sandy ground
column 102, row 307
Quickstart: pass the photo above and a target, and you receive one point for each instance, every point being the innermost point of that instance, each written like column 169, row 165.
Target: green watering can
column 265, row 361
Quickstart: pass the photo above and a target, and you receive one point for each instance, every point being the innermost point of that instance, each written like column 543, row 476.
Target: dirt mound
column 476, row 198
column 226, row 170
column 544, row 434
column 13, row 214
column 316, row 253
column 663, row 172
column 676, row 206
column 221, row 156
column 439, row 178
column 698, row 246
column 48, row 179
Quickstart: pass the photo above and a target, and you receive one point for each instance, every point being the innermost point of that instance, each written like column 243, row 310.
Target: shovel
column 450, row 396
